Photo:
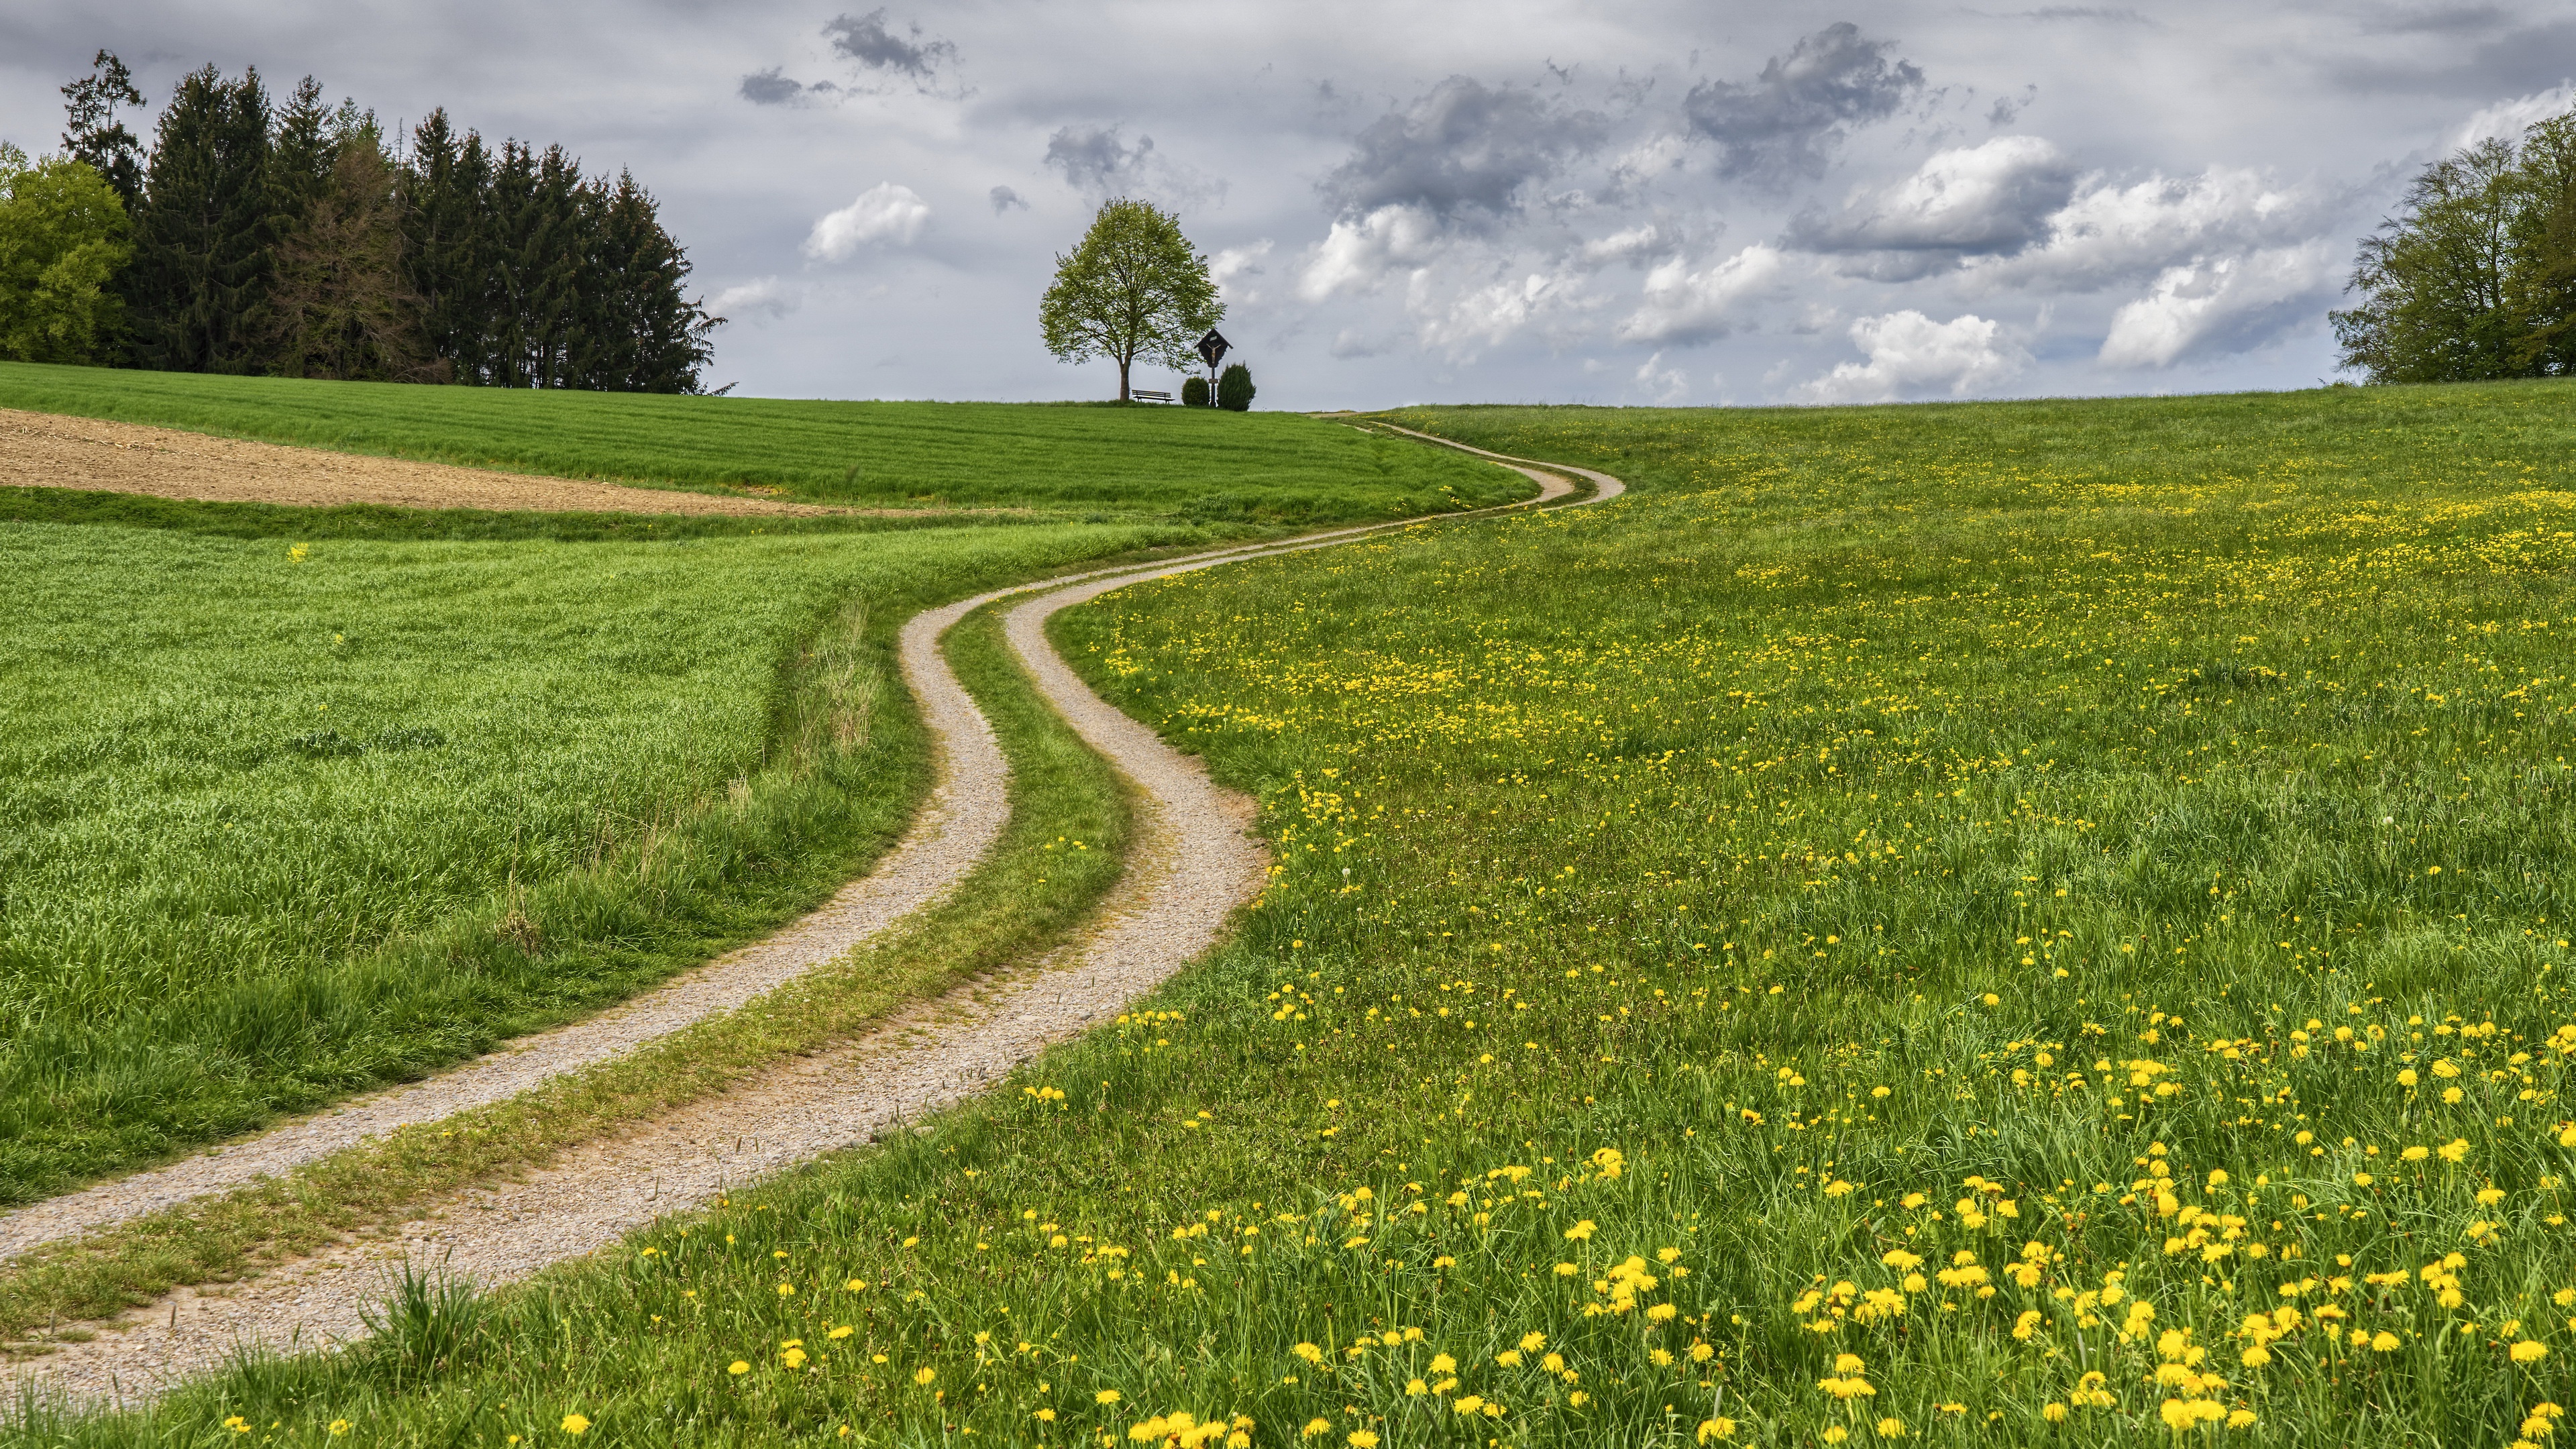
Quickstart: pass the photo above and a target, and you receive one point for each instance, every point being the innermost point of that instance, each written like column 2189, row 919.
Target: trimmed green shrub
column 1194, row 393
column 1234, row 388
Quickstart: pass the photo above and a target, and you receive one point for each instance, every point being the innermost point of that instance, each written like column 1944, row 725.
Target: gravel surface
column 52, row 451
column 1195, row 863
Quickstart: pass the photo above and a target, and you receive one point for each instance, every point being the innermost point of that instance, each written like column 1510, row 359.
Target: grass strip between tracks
column 1025, row 896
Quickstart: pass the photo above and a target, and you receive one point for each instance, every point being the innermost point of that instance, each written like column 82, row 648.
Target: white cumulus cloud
column 1479, row 317
column 2507, row 119
column 763, row 297
column 885, row 212
column 1635, row 246
column 1355, row 256
column 1910, row 355
column 2222, row 304
column 2108, row 233
column 1234, row 269
column 1993, row 198
column 1687, row 305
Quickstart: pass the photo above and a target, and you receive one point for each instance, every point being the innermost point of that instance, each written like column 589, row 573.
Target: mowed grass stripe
column 1276, row 468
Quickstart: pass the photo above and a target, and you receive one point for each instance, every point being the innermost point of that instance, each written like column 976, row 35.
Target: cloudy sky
column 1650, row 202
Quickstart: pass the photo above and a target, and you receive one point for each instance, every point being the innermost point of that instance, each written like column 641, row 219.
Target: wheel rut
column 1194, row 864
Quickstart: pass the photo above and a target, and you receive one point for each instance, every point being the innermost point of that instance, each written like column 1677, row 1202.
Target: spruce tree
column 203, row 242
column 445, row 192
column 92, row 133
column 342, row 306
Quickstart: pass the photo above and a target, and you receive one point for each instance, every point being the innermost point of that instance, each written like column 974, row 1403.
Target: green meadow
column 284, row 820
column 2008, row 923
column 1200, row 463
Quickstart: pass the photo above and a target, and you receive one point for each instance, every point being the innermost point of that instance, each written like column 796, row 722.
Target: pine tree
column 444, row 194
column 203, row 242
column 341, row 306
column 301, row 151
column 92, row 133
column 645, row 335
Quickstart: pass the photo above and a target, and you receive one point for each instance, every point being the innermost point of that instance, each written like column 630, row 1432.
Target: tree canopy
column 62, row 240
column 295, row 238
column 1133, row 288
column 2475, row 279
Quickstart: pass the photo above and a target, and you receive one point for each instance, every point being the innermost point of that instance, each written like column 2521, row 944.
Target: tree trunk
column 1123, row 364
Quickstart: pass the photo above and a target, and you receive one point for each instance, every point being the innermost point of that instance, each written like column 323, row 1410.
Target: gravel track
column 1195, row 863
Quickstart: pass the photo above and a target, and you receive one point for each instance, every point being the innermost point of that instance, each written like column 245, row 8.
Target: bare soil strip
column 1195, row 864
column 47, row 450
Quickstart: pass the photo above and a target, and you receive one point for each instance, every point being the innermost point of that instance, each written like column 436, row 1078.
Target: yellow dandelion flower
column 575, row 1424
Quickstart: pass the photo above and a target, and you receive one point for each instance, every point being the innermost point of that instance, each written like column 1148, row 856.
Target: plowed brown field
column 50, row 451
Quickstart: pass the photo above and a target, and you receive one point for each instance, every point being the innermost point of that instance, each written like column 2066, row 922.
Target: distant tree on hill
column 1133, row 288
column 62, row 239
column 2476, row 277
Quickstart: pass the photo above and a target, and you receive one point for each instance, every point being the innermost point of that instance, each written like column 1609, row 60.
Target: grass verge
column 1199, row 463
column 1025, row 897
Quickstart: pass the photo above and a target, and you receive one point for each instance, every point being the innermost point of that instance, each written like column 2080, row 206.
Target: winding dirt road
column 1195, row 863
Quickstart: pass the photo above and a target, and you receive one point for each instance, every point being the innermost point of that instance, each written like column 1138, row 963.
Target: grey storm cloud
column 1461, row 151
column 1097, row 161
column 1784, row 123
column 771, row 87
column 1004, row 199
column 868, row 40
column 1093, row 158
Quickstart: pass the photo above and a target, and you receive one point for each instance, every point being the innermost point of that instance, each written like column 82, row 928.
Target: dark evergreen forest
column 291, row 238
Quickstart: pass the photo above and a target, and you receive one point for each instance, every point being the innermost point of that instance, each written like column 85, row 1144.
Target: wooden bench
column 1142, row 395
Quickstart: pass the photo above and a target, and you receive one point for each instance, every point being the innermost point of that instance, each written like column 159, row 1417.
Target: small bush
column 1234, row 389
column 1194, row 393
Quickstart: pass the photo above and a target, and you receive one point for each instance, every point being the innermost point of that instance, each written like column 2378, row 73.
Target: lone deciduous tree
column 1133, row 288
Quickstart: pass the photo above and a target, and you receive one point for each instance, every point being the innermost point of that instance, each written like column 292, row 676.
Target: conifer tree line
column 2475, row 279
column 294, row 238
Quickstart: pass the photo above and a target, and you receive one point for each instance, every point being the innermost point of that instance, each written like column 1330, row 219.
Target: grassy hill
column 295, row 801
column 2001, row 923
column 1195, row 462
